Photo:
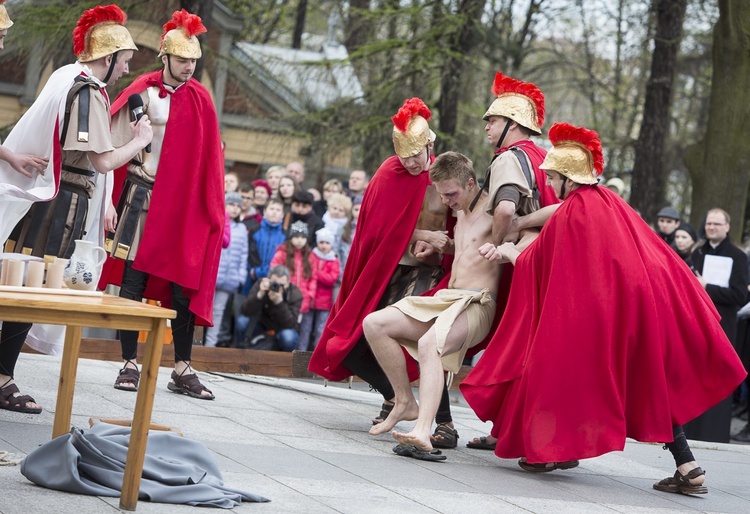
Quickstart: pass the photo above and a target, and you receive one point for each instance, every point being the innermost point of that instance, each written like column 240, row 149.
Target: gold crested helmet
column 99, row 32
column 522, row 102
column 411, row 132
column 179, row 38
column 576, row 153
column 5, row 21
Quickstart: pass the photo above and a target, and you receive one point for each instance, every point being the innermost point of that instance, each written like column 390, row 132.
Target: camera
column 274, row 286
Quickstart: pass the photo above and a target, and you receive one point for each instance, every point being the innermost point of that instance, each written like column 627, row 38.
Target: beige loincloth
column 444, row 308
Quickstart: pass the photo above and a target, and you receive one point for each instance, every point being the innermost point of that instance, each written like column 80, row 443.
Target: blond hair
column 340, row 200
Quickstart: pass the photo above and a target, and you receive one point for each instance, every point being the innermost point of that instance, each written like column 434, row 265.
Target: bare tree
column 647, row 187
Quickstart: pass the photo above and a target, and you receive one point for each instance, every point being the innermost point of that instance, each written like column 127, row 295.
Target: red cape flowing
column 607, row 335
column 389, row 213
column 182, row 235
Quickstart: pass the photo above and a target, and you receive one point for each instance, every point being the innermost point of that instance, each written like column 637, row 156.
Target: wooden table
column 105, row 311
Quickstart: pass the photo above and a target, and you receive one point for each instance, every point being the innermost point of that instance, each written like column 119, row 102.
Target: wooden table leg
column 66, row 388
column 144, row 404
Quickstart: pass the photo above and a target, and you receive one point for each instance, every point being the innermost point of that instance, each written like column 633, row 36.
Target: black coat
column 274, row 317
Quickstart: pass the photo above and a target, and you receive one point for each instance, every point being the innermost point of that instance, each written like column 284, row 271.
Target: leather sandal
column 385, row 409
column 680, row 483
column 128, row 376
column 189, row 385
column 444, row 437
column 16, row 403
column 546, row 468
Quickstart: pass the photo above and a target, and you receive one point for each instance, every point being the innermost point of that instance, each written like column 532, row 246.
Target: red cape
column 607, row 335
column 183, row 231
column 389, row 213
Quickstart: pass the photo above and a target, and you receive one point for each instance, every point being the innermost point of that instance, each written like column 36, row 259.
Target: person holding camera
column 273, row 305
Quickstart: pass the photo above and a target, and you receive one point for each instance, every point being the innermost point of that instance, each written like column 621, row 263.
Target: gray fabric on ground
column 175, row 470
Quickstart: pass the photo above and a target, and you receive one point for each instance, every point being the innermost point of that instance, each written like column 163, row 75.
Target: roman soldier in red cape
column 170, row 202
column 607, row 333
column 400, row 207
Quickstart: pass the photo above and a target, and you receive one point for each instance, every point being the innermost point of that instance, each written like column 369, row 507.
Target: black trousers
column 11, row 342
column 183, row 326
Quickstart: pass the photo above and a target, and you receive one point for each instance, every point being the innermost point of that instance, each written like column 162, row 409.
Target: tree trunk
column 204, row 10
column 357, row 30
column 459, row 48
column 720, row 164
column 649, row 175
column 299, row 24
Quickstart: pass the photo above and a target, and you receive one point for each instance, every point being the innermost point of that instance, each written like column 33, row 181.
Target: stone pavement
column 306, row 447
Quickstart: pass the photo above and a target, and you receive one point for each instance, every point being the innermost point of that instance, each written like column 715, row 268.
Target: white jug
column 84, row 267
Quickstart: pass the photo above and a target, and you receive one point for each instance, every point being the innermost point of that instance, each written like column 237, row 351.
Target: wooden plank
column 224, row 360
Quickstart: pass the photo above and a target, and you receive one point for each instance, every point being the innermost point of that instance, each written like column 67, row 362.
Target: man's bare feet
column 401, row 412
column 419, row 441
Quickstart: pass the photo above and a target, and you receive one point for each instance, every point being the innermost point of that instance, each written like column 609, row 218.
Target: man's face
column 261, row 195
column 2, row 37
column 667, row 225
column 178, row 69
column 416, row 164
column 248, row 197
column 301, row 208
column 297, row 171
column 273, row 213
column 717, row 227
column 122, row 66
column 230, row 182
column 555, row 181
column 357, row 181
column 494, row 128
column 453, row 195
column 284, row 281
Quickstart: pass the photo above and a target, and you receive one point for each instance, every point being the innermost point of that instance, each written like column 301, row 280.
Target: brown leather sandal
column 544, row 468
column 385, row 409
column 189, row 385
column 16, row 403
column 680, row 483
column 128, row 376
column 444, row 437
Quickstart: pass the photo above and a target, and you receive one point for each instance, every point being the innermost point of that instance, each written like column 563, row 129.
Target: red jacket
column 326, row 273
column 297, row 277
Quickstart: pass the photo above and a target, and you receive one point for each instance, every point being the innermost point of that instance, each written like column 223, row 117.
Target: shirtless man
column 438, row 330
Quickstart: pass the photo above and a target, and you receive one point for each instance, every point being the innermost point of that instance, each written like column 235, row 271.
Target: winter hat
column 232, row 197
column 669, row 212
column 687, row 227
column 298, row 228
column 325, row 235
column 262, row 183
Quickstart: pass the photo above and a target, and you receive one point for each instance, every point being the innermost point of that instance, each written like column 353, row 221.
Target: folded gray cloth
column 176, row 469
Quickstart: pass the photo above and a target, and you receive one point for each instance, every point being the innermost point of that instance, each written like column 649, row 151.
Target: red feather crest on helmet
column 561, row 132
column 411, row 108
column 505, row 84
column 192, row 23
column 91, row 18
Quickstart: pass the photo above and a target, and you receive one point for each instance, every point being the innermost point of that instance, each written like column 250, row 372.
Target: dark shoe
column 743, row 435
column 128, row 376
column 444, row 437
column 739, row 410
column 16, row 403
column 680, row 483
column 481, row 445
column 189, row 385
column 544, row 468
column 385, row 409
column 415, row 453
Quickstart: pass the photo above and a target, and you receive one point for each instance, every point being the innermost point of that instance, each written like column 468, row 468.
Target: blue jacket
column 263, row 246
column 232, row 266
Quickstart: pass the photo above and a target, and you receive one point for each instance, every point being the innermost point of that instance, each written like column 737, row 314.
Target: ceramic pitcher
column 85, row 266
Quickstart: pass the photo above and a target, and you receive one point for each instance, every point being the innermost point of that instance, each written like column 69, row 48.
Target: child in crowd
column 336, row 217
column 347, row 235
column 232, row 268
column 295, row 255
column 326, row 270
column 263, row 244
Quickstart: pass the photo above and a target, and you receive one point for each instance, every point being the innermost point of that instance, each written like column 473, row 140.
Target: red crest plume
column 192, row 23
column 505, row 84
column 411, row 108
column 588, row 138
column 92, row 17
